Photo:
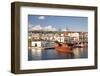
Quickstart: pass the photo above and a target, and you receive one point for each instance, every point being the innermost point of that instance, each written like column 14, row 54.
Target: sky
column 54, row 23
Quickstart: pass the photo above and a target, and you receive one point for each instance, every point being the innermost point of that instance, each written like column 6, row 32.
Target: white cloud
column 37, row 27
column 50, row 28
column 46, row 28
column 41, row 17
column 64, row 29
column 30, row 27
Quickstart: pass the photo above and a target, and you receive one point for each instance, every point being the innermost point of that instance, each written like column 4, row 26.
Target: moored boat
column 62, row 47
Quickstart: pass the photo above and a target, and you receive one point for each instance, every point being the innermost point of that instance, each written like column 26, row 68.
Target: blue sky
column 72, row 23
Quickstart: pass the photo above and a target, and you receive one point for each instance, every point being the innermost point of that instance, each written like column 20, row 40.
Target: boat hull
column 63, row 49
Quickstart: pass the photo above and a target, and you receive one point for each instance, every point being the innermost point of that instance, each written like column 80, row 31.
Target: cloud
column 50, row 28
column 64, row 29
column 41, row 17
column 30, row 27
column 46, row 28
column 37, row 27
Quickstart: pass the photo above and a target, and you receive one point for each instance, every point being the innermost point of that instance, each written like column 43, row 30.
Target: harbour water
column 52, row 54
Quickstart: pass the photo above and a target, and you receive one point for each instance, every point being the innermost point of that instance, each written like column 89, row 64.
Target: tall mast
column 67, row 29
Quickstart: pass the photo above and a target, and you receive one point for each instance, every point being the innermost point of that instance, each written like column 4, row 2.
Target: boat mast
column 67, row 30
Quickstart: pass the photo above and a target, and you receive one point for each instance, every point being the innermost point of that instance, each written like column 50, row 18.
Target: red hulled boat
column 62, row 47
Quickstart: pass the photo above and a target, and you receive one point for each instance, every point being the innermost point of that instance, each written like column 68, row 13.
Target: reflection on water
column 47, row 54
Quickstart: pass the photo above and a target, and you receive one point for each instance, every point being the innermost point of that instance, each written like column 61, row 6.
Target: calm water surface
column 47, row 54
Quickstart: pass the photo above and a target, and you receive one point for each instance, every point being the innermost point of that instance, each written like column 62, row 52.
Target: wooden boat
column 62, row 48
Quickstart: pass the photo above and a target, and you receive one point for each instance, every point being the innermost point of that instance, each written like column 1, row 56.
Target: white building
column 40, row 43
column 36, row 43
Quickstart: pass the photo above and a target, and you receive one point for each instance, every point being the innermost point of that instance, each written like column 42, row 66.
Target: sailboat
column 63, row 47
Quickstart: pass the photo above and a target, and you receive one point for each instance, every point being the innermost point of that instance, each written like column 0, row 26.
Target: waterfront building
column 38, row 37
column 36, row 43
